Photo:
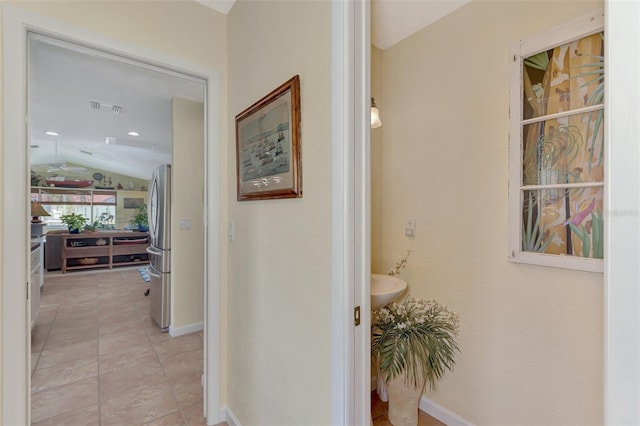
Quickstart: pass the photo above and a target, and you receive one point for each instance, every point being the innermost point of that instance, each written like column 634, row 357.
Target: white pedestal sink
column 385, row 289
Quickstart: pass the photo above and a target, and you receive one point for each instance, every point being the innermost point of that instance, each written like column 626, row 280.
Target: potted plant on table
column 91, row 227
column 141, row 219
column 75, row 222
column 414, row 343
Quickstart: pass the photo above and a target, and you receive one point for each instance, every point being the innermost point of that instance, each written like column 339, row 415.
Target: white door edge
column 622, row 212
column 16, row 23
column 350, row 352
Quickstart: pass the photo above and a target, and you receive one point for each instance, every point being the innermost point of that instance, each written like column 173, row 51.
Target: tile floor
column 97, row 358
column 379, row 411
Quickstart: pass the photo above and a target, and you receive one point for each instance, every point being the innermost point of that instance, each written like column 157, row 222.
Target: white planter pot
column 403, row 401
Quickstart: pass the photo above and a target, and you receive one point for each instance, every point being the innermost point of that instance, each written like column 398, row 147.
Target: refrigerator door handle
column 152, row 250
column 151, row 270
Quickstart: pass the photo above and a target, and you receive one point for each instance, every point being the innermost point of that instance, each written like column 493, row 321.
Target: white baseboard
column 181, row 331
column 439, row 412
column 428, row 406
column 227, row 416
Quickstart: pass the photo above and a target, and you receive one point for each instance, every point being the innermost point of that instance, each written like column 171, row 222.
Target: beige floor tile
column 62, row 354
column 120, row 327
column 187, row 390
column 143, row 302
column 68, row 337
column 49, row 377
column 138, row 406
column 88, row 416
column 64, row 399
column 46, row 314
column 73, row 297
column 177, row 345
column 124, row 342
column 152, row 329
column 81, row 293
column 75, row 324
column 117, row 316
column 50, row 290
column 173, row 419
column 78, row 308
column 119, row 360
column 39, row 334
column 193, row 415
column 184, row 364
column 82, row 314
column 34, row 361
column 121, row 301
column 136, row 377
column 75, row 310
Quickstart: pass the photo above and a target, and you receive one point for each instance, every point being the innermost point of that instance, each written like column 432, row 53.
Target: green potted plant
column 75, row 222
column 141, row 219
column 91, row 227
column 414, row 343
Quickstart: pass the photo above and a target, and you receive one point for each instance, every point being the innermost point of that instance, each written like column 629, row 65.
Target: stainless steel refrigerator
column 159, row 213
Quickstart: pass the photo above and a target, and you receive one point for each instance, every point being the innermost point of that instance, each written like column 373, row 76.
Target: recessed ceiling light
column 50, row 133
column 133, row 134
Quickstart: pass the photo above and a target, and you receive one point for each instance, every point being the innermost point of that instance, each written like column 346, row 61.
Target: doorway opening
column 16, row 381
column 99, row 129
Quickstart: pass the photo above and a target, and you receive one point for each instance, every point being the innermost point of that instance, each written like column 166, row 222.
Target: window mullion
column 562, row 114
column 562, row 186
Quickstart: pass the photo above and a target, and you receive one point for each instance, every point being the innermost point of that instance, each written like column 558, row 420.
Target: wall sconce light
column 375, row 115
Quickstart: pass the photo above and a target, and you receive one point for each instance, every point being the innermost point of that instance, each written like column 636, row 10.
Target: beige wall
column 187, row 245
column 531, row 337
column 182, row 29
column 124, row 216
column 279, row 277
column 376, row 160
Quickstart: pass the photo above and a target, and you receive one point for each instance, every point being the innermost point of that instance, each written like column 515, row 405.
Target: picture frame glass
column 268, row 147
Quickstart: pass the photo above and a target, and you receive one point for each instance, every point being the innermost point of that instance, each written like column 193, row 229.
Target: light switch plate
column 410, row 227
column 184, row 223
column 231, row 230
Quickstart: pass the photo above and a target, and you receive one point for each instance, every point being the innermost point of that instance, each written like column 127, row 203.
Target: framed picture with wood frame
column 268, row 157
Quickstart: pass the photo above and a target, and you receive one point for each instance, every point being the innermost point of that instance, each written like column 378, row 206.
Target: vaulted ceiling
column 93, row 101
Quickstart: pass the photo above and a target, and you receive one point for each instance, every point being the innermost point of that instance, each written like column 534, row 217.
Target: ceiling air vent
column 105, row 106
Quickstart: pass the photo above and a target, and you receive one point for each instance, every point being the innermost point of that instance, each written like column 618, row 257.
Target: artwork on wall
column 268, row 158
column 132, row 203
column 563, row 149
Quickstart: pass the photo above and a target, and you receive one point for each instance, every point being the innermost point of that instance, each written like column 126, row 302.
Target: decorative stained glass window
column 557, row 133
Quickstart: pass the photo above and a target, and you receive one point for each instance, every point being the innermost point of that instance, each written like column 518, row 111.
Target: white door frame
column 350, row 122
column 622, row 224
column 16, row 23
column 350, row 245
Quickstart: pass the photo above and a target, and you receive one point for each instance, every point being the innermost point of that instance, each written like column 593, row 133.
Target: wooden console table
column 103, row 250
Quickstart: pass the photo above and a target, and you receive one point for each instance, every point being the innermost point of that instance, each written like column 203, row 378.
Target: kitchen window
column 98, row 205
column 557, row 147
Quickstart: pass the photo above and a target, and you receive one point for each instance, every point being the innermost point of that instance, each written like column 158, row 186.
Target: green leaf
column 539, row 61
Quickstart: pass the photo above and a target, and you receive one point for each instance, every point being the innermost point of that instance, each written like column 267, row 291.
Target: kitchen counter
column 36, row 279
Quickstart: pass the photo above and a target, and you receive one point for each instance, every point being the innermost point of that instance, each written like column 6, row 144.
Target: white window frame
column 551, row 38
